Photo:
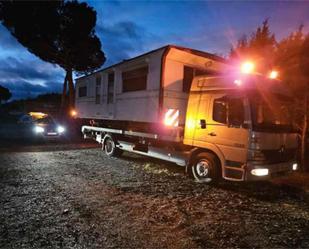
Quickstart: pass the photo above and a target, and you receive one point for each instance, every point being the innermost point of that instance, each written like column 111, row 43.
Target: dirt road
column 79, row 198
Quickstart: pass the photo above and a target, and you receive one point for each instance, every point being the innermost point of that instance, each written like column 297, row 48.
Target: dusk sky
column 130, row 28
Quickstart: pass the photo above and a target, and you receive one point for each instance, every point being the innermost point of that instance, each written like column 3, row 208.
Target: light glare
column 60, row 129
column 73, row 113
column 238, row 82
column 38, row 129
column 295, row 166
column 247, row 67
column 273, row 74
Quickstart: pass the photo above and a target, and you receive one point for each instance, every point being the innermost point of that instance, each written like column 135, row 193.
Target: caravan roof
column 190, row 50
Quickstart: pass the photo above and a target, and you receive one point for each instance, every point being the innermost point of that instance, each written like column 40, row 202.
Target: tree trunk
column 304, row 135
column 71, row 88
column 64, row 92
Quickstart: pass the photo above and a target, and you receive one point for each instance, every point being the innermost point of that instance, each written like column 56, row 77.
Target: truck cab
column 241, row 128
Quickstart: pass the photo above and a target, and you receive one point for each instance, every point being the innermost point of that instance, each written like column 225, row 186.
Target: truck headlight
column 260, row 172
column 60, row 129
column 295, row 166
column 38, row 129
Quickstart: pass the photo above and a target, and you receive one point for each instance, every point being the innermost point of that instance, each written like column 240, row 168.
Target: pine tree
column 259, row 48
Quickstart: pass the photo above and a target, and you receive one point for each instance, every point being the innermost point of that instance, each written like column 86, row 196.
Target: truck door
column 225, row 127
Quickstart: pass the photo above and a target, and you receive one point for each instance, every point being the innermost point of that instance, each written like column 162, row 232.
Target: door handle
column 212, row 134
column 203, row 123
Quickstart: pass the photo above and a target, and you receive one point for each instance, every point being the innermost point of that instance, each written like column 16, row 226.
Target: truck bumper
column 262, row 172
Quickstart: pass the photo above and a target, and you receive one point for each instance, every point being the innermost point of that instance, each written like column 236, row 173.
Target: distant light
column 238, row 82
column 73, row 113
column 247, row 67
column 38, row 129
column 260, row 172
column 60, row 129
column 273, row 74
column 295, row 166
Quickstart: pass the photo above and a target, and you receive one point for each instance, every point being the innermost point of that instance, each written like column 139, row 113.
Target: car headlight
column 60, row 129
column 38, row 129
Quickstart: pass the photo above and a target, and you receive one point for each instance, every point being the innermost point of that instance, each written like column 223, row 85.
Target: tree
column 287, row 58
column 5, row 94
column 287, row 61
column 290, row 57
column 59, row 32
column 259, row 48
column 304, row 68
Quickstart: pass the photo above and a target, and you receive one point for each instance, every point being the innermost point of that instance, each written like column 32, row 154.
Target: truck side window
column 236, row 113
column 229, row 111
column 220, row 110
column 110, row 88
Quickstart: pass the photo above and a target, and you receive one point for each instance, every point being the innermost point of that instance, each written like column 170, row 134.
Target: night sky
column 129, row 28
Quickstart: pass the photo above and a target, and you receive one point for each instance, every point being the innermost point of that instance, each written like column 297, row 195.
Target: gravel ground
column 66, row 197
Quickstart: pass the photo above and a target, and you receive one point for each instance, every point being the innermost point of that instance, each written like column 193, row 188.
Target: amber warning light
column 273, row 74
column 73, row 113
column 247, row 67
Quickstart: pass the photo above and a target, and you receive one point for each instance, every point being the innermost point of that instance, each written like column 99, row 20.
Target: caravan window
column 135, row 80
column 82, row 91
column 98, row 90
column 110, row 88
column 188, row 74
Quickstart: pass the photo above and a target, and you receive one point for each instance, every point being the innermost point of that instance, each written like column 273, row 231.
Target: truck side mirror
column 203, row 123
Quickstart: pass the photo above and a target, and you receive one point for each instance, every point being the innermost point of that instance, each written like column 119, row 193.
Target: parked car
column 41, row 125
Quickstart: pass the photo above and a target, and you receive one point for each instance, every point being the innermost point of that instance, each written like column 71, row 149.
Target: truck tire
column 205, row 168
column 110, row 148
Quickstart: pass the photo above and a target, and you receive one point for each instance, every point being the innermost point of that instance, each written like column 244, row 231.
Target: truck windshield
column 271, row 112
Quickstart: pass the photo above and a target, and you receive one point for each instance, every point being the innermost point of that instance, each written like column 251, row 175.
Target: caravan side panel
column 143, row 105
column 136, row 106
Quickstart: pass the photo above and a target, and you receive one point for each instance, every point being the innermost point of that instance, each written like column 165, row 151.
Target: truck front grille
column 278, row 156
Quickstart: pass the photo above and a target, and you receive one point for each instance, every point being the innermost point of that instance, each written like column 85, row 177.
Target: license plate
column 52, row 133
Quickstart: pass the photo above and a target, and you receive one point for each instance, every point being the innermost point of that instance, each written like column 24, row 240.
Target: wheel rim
column 202, row 168
column 109, row 146
column 202, row 171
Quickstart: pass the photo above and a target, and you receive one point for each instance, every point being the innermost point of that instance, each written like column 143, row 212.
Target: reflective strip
column 171, row 117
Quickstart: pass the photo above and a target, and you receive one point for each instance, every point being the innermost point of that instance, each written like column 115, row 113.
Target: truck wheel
column 110, row 148
column 205, row 168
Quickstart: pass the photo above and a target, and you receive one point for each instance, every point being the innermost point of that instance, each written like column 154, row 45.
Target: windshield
column 45, row 120
column 271, row 111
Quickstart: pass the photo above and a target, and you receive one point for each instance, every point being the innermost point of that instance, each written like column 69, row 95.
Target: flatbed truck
column 191, row 108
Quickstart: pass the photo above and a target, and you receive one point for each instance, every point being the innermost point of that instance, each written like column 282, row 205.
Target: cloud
column 122, row 40
column 25, row 89
column 28, row 77
column 7, row 41
column 27, row 69
column 123, row 29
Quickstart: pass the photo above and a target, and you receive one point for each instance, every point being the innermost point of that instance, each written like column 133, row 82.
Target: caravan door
column 110, row 94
